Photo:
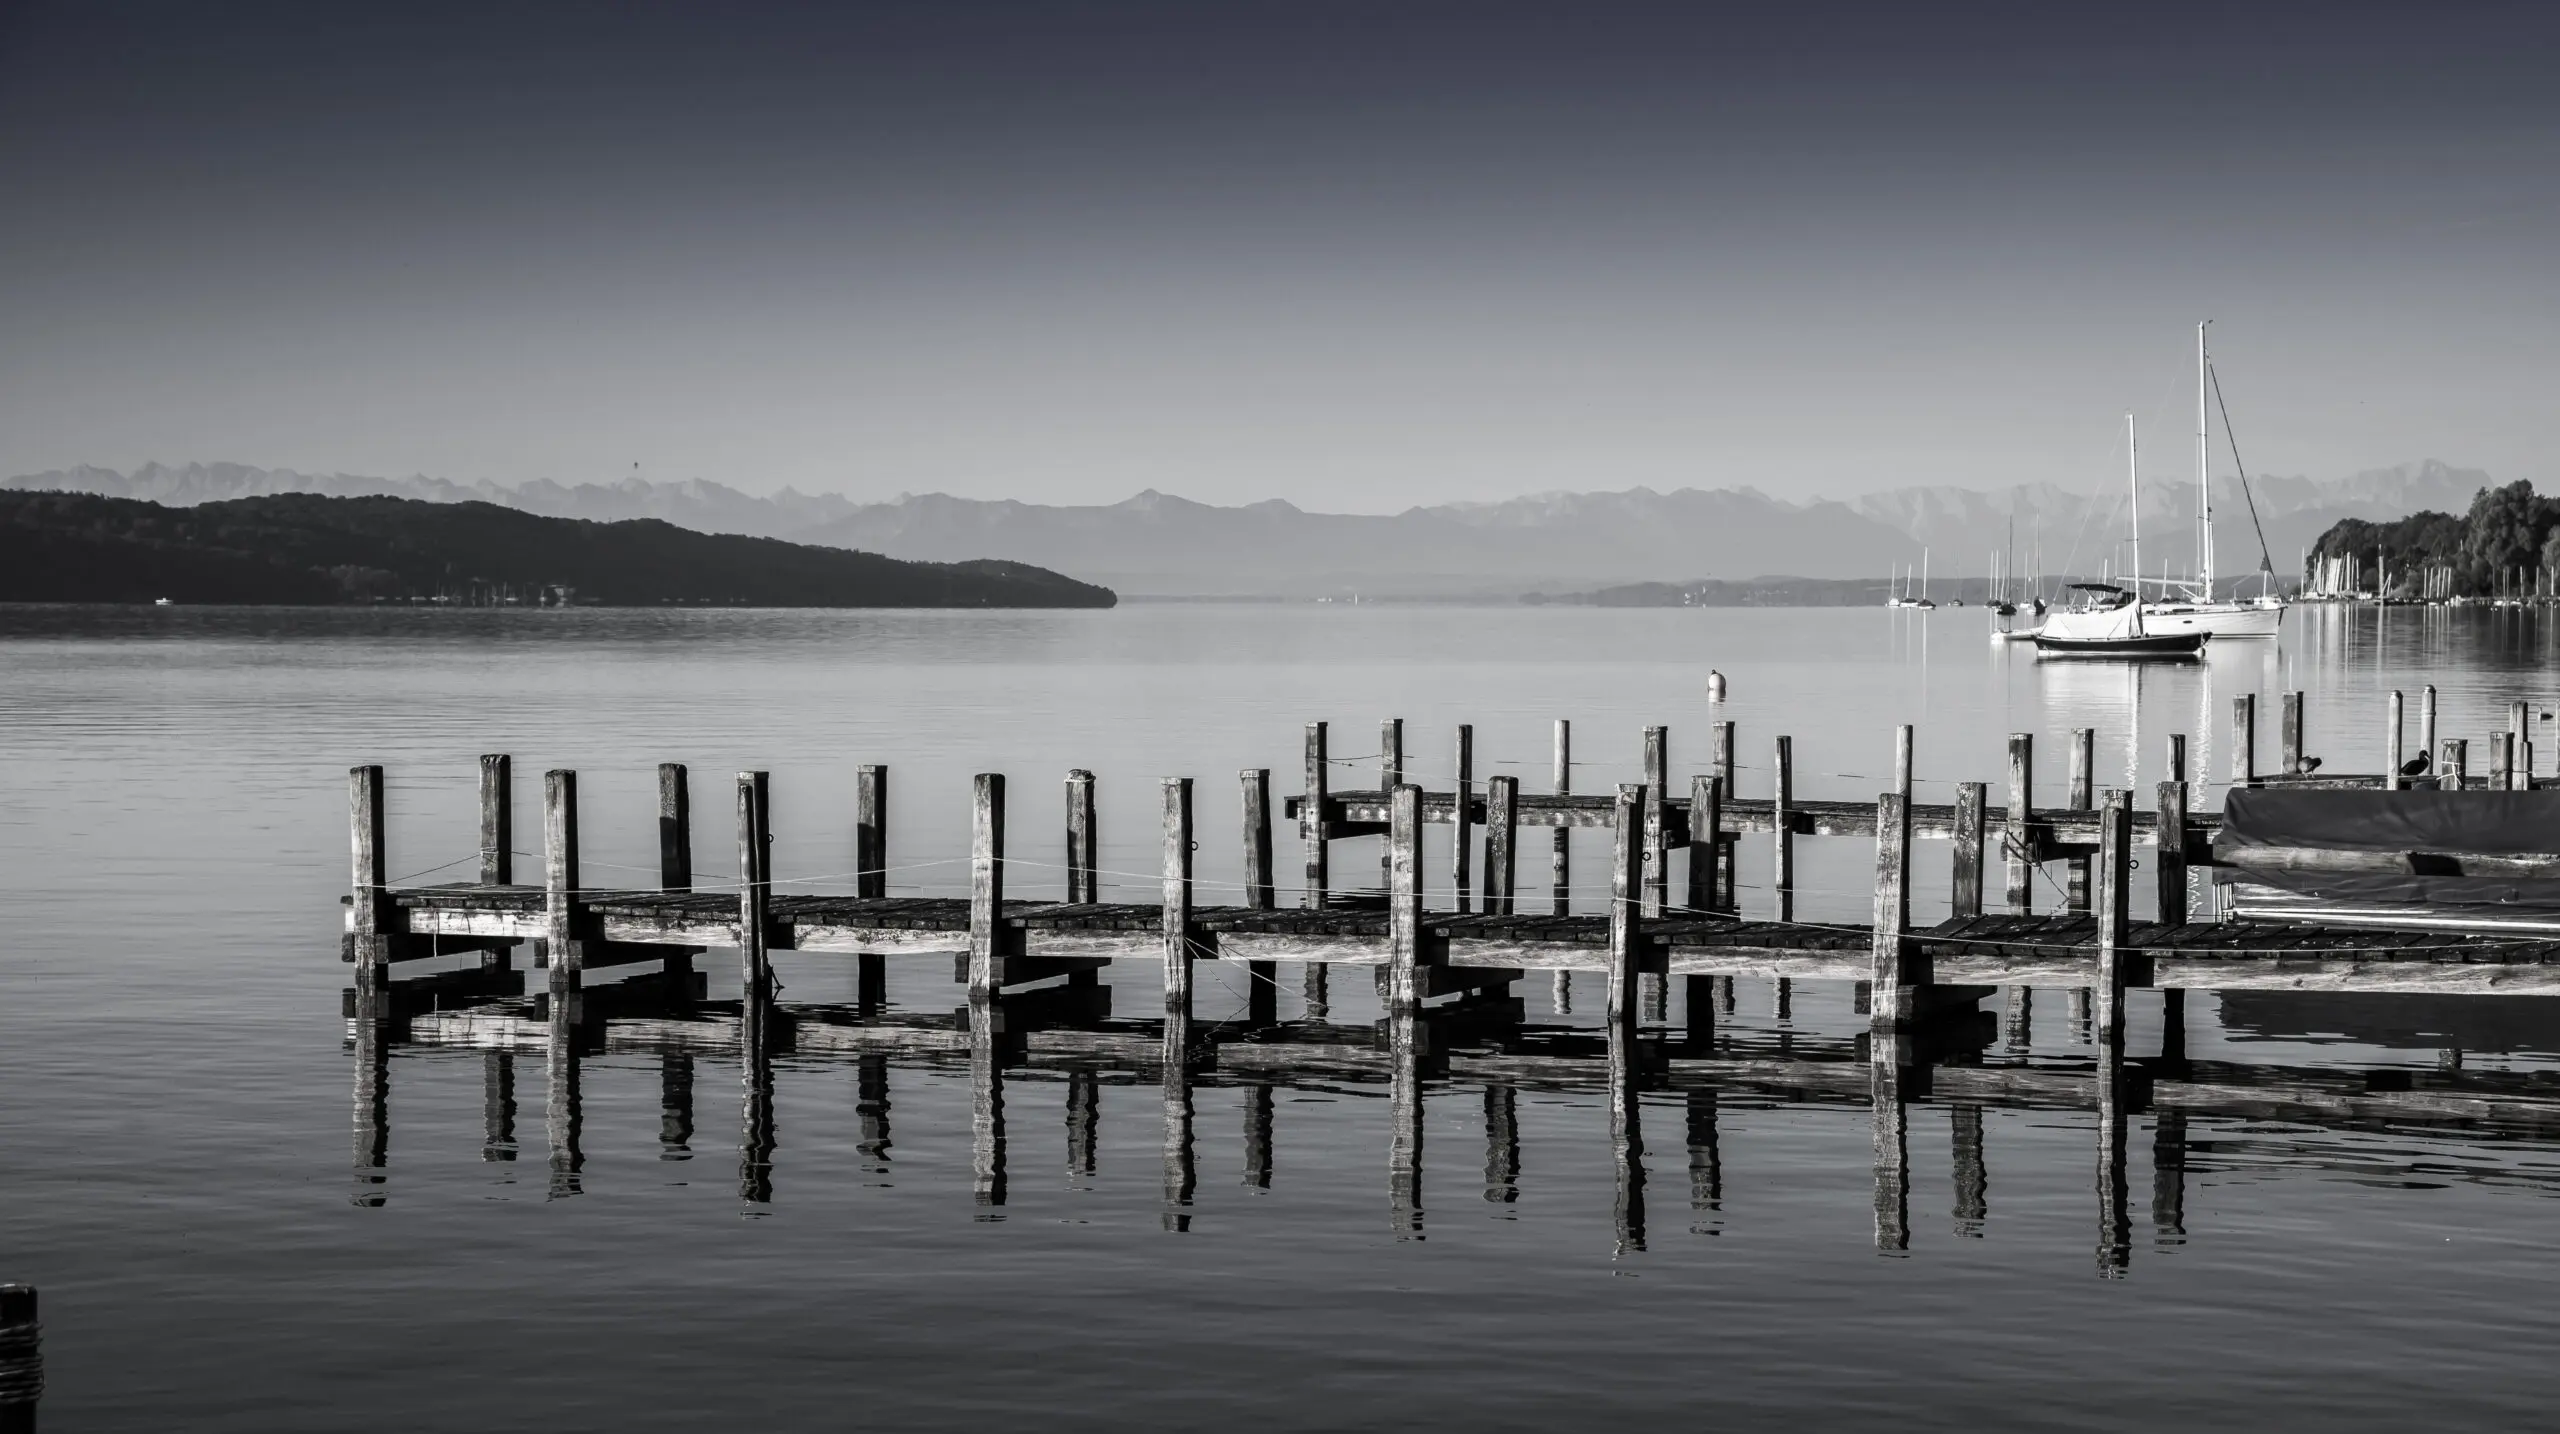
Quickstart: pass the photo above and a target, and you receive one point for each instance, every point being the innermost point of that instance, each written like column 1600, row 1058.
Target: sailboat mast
column 2133, row 481
column 2204, row 476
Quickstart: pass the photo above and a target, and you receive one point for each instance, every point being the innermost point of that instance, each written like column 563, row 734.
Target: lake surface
column 175, row 1124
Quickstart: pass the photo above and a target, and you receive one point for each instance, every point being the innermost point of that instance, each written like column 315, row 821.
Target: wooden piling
column 2018, row 844
column 871, row 832
column 1312, row 827
column 1626, row 864
column 368, row 878
column 2427, row 719
column 1657, row 848
column 1706, row 842
column 2115, row 883
column 1965, row 884
column 2455, row 766
column 1728, row 889
column 1783, row 877
column 1462, row 816
column 755, row 893
column 1390, row 777
column 1404, row 898
column 2392, row 756
column 2083, row 762
column 1564, row 835
column 675, row 827
column 1502, row 846
column 1889, row 967
column 2177, row 757
column 1084, row 859
column 21, row 1359
column 1259, row 893
column 2169, row 858
column 1902, row 762
column 2244, row 740
column 560, row 877
column 986, row 884
column 497, row 819
column 2292, row 734
column 1178, row 934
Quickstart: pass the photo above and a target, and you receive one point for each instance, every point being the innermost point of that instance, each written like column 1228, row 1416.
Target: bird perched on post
column 2306, row 766
column 2414, row 766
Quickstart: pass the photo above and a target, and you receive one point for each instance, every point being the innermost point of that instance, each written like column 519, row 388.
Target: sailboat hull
column 2158, row 646
column 2217, row 619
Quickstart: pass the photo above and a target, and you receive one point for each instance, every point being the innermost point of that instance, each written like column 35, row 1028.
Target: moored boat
column 2107, row 621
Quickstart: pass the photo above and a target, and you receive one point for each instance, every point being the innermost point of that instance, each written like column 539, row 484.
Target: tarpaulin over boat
column 2396, row 848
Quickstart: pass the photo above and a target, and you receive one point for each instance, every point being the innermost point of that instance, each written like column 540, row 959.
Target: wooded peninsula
column 306, row 549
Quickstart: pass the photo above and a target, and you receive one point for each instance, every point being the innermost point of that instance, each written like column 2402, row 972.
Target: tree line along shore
column 310, row 549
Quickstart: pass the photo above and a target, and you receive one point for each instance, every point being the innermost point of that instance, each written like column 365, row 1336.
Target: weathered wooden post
column 871, row 875
column 2455, row 765
column 1262, row 978
column 2115, row 872
column 2244, row 740
column 1178, row 934
column 2292, row 734
column 2083, row 761
column 1889, row 953
column 1626, row 863
column 675, row 864
column 1390, row 777
column 1084, row 860
column 2502, row 762
column 2427, row 719
column 2392, row 759
column 1902, row 762
column 1965, row 886
column 2177, row 757
column 1502, row 846
column 369, row 887
column 2519, row 739
column 1728, row 887
column 1312, row 828
column 986, row 885
column 755, row 911
column 560, row 890
column 1657, row 849
column 497, row 820
column 1462, row 814
column 1404, row 898
column 1706, row 842
column 21, row 1359
column 2169, row 857
column 1563, row 879
column 2019, row 842
column 1782, row 811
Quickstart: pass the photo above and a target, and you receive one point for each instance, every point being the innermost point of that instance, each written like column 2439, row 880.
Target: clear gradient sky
column 1356, row 255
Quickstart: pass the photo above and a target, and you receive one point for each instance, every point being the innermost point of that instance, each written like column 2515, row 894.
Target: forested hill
column 304, row 548
column 2508, row 532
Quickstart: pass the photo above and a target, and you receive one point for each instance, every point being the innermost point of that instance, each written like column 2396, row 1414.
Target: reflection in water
column 1415, row 1053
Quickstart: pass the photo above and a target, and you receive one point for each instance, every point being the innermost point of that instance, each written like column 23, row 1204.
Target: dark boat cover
column 2424, row 825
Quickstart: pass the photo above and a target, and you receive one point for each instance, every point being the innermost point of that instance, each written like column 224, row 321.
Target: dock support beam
column 1178, row 935
column 986, row 884
column 1889, row 954
column 2018, row 844
column 1964, row 896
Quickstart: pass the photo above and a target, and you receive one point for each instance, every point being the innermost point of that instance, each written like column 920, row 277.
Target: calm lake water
column 175, row 1165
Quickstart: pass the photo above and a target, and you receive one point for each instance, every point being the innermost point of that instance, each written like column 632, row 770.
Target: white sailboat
column 2185, row 607
column 2108, row 621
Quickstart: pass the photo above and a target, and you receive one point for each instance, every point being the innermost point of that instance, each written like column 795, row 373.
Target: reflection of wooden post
column 675, row 1106
column 1563, row 833
column 1626, row 1135
column 1626, row 855
column 1404, row 897
column 1892, row 1145
column 1501, row 1145
column 1181, row 1165
column 756, row 1137
column 1889, row 962
column 1177, row 895
column 1257, row 1136
column 1965, row 894
column 1404, row 1115
column 1084, row 865
column 1973, row 1181
column 497, row 819
column 498, row 1106
column 2019, row 843
column 1502, row 846
column 2115, row 1230
column 986, row 884
column 986, row 1100
column 2115, row 882
column 372, row 1124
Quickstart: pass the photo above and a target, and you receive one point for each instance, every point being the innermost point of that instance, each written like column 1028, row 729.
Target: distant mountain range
column 1159, row 545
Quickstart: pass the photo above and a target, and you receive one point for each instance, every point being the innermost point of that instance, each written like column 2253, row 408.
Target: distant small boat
column 162, row 602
